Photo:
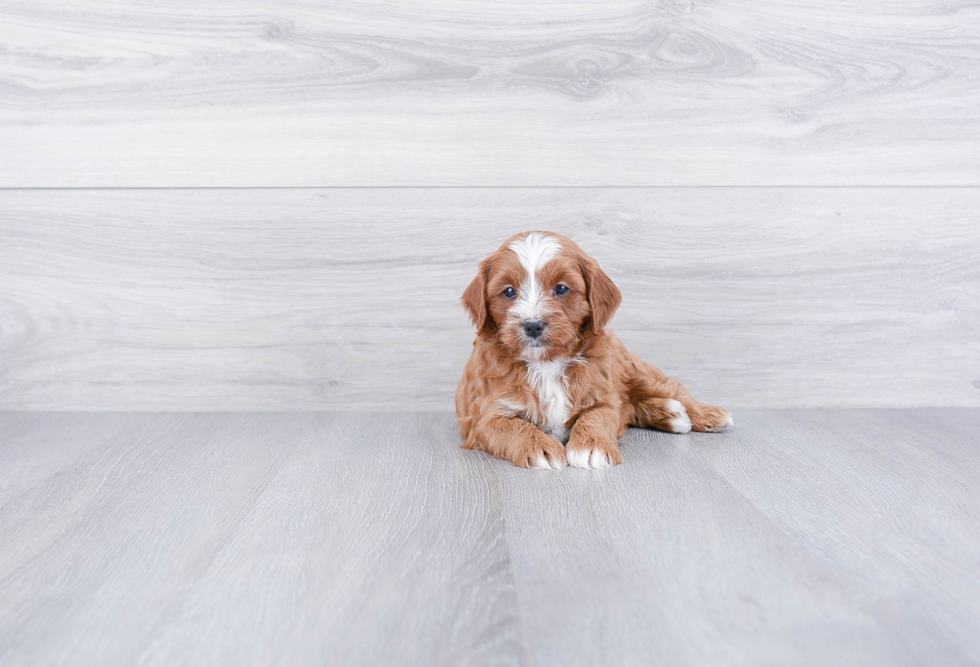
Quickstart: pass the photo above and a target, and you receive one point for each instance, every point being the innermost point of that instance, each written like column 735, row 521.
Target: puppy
column 546, row 384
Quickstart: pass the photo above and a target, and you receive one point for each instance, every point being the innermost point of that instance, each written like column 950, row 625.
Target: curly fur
column 567, row 397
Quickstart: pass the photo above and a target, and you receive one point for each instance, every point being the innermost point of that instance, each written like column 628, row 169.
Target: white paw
column 587, row 458
column 679, row 421
column 542, row 463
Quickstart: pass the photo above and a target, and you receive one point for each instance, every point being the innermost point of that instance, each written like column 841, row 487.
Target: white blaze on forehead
column 534, row 251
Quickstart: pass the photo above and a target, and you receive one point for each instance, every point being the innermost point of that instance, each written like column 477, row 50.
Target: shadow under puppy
column 546, row 383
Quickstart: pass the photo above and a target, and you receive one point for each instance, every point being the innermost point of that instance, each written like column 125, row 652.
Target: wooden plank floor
column 819, row 537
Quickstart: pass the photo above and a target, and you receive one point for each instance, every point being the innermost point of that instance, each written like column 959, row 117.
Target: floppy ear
column 475, row 299
column 602, row 293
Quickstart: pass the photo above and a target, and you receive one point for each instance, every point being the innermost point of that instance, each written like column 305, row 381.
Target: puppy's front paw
column 709, row 418
column 592, row 452
column 544, row 453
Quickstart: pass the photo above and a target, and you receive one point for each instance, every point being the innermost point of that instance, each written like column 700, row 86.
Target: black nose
column 534, row 328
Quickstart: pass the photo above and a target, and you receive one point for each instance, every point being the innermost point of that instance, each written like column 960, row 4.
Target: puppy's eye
column 510, row 292
column 561, row 290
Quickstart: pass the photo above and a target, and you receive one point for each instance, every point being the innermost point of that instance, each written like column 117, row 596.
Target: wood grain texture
column 254, row 540
column 910, row 494
column 348, row 299
column 806, row 537
column 624, row 92
column 799, row 537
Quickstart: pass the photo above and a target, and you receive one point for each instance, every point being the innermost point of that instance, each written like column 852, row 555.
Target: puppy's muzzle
column 534, row 328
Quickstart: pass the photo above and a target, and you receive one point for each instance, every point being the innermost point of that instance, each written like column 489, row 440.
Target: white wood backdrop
column 823, row 250
column 280, row 299
column 114, row 93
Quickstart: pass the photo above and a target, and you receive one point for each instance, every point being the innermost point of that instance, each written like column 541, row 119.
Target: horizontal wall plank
column 282, row 299
column 285, row 93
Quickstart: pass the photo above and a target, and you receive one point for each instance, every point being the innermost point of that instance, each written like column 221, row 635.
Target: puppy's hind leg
column 663, row 414
column 662, row 403
column 707, row 417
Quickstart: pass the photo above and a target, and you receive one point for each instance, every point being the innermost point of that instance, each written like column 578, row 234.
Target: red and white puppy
column 546, row 383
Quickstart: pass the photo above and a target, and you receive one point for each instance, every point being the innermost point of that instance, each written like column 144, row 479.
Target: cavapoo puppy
column 546, row 383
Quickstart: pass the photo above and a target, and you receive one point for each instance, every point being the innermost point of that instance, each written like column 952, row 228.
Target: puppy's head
column 540, row 295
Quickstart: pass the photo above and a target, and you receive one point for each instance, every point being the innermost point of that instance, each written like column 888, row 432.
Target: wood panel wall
column 275, row 205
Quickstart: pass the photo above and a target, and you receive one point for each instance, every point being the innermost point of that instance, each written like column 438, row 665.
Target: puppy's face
column 540, row 295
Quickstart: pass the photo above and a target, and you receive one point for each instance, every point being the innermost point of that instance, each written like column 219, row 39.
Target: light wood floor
column 816, row 537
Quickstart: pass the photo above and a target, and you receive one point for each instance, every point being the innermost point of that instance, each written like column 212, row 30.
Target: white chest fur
column 547, row 381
